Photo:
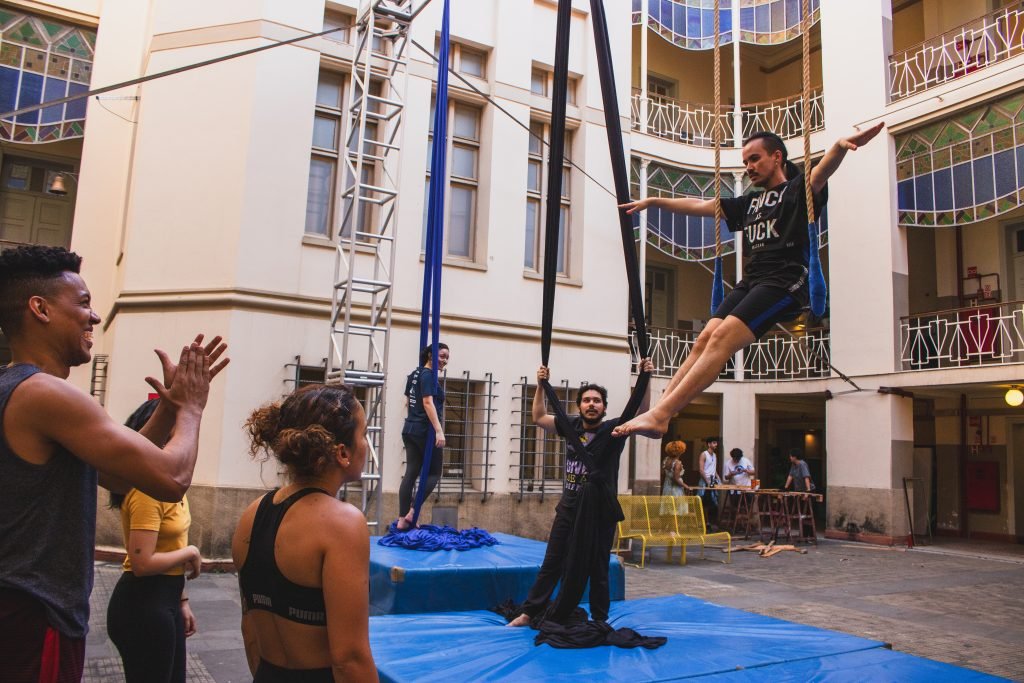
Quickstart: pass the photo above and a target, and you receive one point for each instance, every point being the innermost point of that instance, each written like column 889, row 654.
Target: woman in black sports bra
column 303, row 555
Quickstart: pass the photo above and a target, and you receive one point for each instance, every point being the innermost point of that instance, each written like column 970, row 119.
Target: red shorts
column 30, row 650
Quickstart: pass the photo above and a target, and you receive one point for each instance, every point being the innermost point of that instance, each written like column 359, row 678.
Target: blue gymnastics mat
column 703, row 640
column 412, row 581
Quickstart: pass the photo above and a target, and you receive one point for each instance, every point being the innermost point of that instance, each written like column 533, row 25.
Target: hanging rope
column 815, row 278
column 718, row 287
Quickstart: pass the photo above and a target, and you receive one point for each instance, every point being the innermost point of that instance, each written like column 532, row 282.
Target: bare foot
column 645, row 424
column 521, row 620
column 404, row 523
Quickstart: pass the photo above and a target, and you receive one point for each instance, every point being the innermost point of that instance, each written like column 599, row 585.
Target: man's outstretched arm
column 837, row 152
column 685, row 205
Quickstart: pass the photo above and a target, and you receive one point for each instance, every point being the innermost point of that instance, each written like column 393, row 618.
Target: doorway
column 29, row 212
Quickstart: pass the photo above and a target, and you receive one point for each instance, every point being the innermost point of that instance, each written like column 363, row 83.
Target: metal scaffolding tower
column 365, row 240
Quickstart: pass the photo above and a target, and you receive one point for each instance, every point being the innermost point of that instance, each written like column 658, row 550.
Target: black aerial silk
column 597, row 508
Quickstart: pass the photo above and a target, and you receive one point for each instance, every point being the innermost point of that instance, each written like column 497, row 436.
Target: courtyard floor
column 957, row 603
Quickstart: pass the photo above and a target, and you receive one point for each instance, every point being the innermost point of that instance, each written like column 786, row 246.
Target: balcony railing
column 987, row 334
column 686, row 122
column 783, row 356
column 693, row 124
column 784, row 117
column 989, row 39
column 775, row 356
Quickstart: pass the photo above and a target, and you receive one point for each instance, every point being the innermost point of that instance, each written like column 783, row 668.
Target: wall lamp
column 1014, row 397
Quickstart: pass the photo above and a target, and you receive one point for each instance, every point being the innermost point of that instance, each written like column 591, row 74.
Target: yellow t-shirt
column 170, row 520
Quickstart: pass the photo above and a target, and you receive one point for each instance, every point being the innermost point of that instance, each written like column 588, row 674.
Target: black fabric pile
column 577, row 632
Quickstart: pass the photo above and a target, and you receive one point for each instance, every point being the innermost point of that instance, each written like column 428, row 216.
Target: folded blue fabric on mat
column 430, row 538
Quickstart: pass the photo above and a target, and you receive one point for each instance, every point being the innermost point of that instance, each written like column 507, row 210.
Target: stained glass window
column 964, row 168
column 42, row 60
column 690, row 24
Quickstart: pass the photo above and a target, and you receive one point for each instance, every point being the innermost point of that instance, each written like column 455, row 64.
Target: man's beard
column 587, row 422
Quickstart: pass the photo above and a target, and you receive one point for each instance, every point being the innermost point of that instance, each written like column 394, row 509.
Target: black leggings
column 144, row 621
column 414, row 448
column 553, row 566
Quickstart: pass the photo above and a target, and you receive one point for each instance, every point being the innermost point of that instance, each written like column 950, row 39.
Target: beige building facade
column 211, row 200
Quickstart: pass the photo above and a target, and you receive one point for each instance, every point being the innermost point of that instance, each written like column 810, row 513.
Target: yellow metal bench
column 668, row 522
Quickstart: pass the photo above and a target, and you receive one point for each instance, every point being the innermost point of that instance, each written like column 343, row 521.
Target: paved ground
column 963, row 604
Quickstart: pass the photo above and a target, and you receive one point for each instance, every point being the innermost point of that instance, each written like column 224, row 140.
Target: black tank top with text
column 262, row 584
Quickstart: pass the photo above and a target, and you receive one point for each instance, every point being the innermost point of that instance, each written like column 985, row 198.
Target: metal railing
column 784, row 116
column 986, row 334
column 468, row 422
column 669, row 349
column 986, row 40
column 777, row 356
column 540, row 465
column 804, row 354
column 686, row 122
column 693, row 124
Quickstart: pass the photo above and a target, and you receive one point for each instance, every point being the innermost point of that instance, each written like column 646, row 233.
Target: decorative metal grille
column 540, row 465
column 468, row 422
column 42, row 60
column 775, row 356
column 685, row 122
column 784, row 116
column 669, row 350
column 693, row 124
column 988, row 334
column 784, row 356
column 989, row 39
column 964, row 168
column 690, row 23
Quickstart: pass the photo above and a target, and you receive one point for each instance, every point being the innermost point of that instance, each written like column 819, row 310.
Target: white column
column 737, row 188
column 737, row 109
column 868, row 261
column 643, row 69
column 642, row 247
column 869, row 435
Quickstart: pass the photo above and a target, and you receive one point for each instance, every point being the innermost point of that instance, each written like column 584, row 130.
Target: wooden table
column 770, row 512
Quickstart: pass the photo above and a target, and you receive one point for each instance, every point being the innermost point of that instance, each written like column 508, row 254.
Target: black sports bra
column 262, row 584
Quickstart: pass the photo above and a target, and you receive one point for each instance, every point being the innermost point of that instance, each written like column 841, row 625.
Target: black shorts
column 760, row 306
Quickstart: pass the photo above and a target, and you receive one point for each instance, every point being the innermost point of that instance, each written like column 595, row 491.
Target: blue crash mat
column 877, row 666
column 703, row 639
column 412, row 581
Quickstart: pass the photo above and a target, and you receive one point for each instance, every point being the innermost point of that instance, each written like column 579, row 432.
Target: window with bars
column 536, row 199
column 463, row 155
column 468, row 424
column 541, row 456
column 328, row 173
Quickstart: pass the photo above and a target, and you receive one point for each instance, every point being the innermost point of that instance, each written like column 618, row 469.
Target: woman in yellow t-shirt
column 149, row 616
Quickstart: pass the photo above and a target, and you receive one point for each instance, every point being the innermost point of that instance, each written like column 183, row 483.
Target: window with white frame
column 542, row 83
column 328, row 173
column 536, row 198
column 341, row 21
column 324, row 158
column 464, row 59
column 461, row 195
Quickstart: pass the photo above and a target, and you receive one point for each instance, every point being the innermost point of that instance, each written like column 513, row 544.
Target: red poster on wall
column 983, row 486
